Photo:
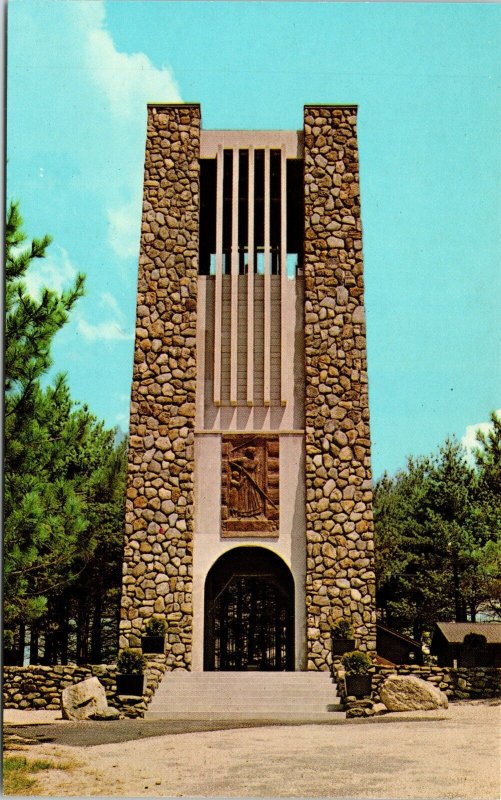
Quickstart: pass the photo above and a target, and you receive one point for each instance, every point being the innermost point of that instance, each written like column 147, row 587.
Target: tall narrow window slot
column 275, row 200
column 227, row 209
column 207, row 254
column 259, row 211
column 295, row 216
column 243, row 211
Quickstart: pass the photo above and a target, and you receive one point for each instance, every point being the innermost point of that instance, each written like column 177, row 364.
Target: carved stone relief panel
column 250, row 486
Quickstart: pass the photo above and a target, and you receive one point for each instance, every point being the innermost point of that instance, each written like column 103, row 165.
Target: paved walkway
column 454, row 756
column 39, row 727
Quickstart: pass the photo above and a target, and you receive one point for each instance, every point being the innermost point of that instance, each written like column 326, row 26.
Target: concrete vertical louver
column 254, row 247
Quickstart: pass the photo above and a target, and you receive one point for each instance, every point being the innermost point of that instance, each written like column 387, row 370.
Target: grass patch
column 18, row 771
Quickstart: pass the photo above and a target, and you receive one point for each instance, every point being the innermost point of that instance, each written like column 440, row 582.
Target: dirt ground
column 454, row 755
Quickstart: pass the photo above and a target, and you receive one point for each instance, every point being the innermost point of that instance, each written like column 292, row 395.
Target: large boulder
column 84, row 700
column 408, row 693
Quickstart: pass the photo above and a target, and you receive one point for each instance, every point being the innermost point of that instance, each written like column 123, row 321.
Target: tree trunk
column 458, row 611
column 21, row 643
column 63, row 612
column 96, row 633
column 48, row 653
column 110, row 620
column 34, row 644
column 83, row 631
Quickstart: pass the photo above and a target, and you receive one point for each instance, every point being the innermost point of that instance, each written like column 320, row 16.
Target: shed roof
column 455, row 632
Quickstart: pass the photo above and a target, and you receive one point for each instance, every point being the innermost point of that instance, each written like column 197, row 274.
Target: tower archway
column 249, row 612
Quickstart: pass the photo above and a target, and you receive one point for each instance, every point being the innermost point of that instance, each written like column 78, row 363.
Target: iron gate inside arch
column 249, row 612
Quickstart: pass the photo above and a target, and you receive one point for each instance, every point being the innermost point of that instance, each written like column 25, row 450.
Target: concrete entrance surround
column 249, row 349
column 249, row 612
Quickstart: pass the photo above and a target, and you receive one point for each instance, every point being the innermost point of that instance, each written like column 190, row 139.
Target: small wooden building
column 482, row 647
column 397, row 648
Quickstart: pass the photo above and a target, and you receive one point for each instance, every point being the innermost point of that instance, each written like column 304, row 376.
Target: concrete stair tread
column 284, row 696
column 249, row 677
column 243, row 716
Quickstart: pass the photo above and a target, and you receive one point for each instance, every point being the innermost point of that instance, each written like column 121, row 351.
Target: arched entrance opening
column 249, row 612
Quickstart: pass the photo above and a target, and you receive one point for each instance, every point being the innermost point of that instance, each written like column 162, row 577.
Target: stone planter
column 130, row 684
column 342, row 646
column 358, row 685
column 153, row 644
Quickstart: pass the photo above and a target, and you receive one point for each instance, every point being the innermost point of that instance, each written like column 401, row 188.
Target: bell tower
column 249, row 520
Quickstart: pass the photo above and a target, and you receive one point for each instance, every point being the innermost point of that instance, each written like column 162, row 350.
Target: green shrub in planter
column 129, row 662
column 342, row 637
column 153, row 640
column 130, row 668
column 358, row 679
column 357, row 663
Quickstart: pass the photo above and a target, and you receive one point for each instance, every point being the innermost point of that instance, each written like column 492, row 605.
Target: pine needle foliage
column 438, row 537
column 63, row 471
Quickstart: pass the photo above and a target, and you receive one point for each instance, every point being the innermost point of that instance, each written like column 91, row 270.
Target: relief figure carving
column 245, row 493
column 250, row 485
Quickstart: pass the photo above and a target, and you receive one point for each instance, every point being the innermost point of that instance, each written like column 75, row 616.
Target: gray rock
column 109, row 713
column 408, row 693
column 83, row 700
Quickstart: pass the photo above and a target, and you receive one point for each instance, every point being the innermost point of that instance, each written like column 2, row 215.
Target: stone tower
column 249, row 516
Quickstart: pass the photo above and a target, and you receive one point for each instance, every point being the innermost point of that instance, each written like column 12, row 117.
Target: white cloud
column 128, row 80
column 124, row 228
column 469, row 438
column 110, row 329
column 109, row 301
column 122, row 419
column 107, row 331
column 56, row 272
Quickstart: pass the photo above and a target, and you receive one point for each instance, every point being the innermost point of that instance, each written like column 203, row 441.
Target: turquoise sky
column 426, row 78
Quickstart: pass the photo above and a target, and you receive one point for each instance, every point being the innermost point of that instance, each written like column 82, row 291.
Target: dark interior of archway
column 249, row 612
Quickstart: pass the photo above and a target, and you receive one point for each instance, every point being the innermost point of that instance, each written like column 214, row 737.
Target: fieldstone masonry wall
column 457, row 684
column 340, row 578
column 40, row 687
column 159, row 512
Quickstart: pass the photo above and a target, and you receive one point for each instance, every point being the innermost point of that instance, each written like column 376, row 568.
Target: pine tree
column 30, row 323
column 437, row 532
column 42, row 515
column 98, row 610
column 64, row 483
column 488, row 553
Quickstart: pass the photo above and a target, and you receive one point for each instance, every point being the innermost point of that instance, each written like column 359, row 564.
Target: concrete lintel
column 292, row 141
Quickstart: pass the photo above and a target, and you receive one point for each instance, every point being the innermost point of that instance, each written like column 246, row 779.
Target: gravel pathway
column 452, row 756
